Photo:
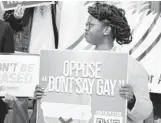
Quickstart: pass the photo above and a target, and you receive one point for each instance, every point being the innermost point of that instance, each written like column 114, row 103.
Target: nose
column 87, row 27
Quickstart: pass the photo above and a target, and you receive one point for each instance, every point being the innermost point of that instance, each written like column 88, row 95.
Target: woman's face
column 94, row 32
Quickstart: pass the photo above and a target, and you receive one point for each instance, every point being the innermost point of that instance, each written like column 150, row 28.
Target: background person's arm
column 19, row 17
column 16, row 24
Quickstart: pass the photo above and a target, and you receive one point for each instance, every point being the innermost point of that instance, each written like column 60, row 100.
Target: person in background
column 107, row 24
column 6, row 46
column 6, row 38
column 20, row 107
column 34, row 28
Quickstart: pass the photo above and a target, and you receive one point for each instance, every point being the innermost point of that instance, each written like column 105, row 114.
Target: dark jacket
column 6, row 38
column 21, row 28
column 6, row 46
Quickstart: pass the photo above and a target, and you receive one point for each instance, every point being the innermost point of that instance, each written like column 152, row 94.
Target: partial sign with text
column 82, row 87
column 19, row 74
column 11, row 5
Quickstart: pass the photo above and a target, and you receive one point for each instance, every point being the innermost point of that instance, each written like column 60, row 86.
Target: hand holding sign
column 19, row 11
column 39, row 92
column 9, row 98
column 126, row 91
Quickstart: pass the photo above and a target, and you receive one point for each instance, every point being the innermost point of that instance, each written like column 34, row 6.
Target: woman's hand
column 126, row 91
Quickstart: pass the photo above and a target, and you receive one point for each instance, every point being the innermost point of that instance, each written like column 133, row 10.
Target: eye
column 90, row 25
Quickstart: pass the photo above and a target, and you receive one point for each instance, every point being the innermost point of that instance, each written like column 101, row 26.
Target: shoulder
column 4, row 24
column 137, row 74
column 3, row 27
column 137, row 67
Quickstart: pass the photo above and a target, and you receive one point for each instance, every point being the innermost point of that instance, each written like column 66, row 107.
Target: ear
column 107, row 30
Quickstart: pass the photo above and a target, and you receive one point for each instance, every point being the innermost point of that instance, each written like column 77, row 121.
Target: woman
column 107, row 24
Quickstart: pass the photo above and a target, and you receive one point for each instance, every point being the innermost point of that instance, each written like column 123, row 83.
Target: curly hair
column 115, row 17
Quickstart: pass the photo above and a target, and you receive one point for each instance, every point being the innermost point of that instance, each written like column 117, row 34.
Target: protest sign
column 19, row 74
column 11, row 5
column 82, row 87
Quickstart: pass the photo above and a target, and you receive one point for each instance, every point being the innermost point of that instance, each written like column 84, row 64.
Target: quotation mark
column 121, row 82
column 44, row 79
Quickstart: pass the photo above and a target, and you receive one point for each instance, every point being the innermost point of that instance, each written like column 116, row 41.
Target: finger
column 123, row 96
column 6, row 96
column 15, row 10
column 39, row 90
column 126, row 94
column 12, row 98
column 6, row 100
column 122, row 93
column 23, row 9
column 126, row 85
column 38, row 86
column 9, row 98
column 39, row 97
column 18, row 8
column 125, row 90
column 39, row 94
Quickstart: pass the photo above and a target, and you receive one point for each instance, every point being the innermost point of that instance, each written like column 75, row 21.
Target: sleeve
column 3, row 111
column 16, row 24
column 33, row 115
column 20, row 111
column 8, row 44
column 143, row 107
